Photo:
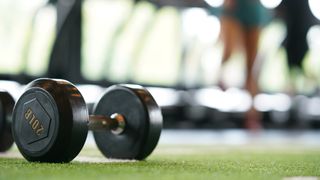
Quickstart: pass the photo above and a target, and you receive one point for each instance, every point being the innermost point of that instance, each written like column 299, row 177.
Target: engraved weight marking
column 35, row 124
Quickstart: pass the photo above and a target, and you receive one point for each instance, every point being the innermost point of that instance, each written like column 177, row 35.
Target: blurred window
column 123, row 41
column 27, row 31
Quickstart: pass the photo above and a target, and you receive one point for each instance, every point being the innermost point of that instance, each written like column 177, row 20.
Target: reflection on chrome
column 164, row 96
column 90, row 93
column 232, row 100
column 14, row 88
column 272, row 102
column 312, row 107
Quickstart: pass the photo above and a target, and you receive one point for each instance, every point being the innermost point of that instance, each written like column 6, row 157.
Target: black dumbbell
column 51, row 122
column 6, row 107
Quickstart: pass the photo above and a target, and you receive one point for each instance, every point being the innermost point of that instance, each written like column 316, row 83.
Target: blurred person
column 241, row 23
column 298, row 19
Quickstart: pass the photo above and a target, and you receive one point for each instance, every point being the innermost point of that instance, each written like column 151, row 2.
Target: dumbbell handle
column 115, row 123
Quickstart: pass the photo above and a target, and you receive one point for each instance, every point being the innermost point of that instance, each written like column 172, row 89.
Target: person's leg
column 251, row 48
column 231, row 34
column 251, row 37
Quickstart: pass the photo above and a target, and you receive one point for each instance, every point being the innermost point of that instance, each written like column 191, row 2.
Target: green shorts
column 249, row 13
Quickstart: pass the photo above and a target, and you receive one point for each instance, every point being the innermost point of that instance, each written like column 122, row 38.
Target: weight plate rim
column 5, row 126
column 25, row 152
column 150, row 108
column 72, row 129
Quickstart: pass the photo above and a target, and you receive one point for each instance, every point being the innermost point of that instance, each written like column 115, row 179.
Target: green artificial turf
column 177, row 162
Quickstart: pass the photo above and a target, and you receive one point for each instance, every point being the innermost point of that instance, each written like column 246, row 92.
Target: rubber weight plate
column 50, row 121
column 143, row 122
column 6, row 107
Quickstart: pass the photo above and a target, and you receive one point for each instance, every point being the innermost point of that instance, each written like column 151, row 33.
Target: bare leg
column 231, row 33
column 253, row 117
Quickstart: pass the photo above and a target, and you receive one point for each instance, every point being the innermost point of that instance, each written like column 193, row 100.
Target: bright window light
column 164, row 96
column 197, row 23
column 313, row 106
column 232, row 100
column 313, row 37
column 215, row 3
column 315, row 8
column 270, row 4
column 270, row 102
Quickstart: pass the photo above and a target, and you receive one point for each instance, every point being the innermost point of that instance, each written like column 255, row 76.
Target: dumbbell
column 6, row 107
column 51, row 122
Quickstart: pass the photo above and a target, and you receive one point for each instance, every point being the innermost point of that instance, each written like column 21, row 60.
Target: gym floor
column 190, row 154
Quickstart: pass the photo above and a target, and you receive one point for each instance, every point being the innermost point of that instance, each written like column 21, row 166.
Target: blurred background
column 175, row 49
